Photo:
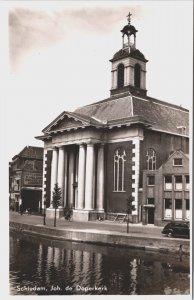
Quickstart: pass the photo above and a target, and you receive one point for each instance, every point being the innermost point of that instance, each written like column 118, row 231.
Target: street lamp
column 44, row 213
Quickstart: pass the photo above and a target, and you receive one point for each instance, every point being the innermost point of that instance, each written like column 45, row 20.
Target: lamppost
column 44, row 213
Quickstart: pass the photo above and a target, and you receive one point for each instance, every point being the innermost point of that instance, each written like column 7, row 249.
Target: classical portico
column 79, row 171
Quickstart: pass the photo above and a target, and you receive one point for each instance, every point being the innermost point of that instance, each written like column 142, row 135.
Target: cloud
column 30, row 29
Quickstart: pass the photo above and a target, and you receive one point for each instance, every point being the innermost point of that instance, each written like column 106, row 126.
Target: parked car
column 177, row 229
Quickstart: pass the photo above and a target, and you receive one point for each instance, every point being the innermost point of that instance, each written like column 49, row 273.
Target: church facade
column 98, row 153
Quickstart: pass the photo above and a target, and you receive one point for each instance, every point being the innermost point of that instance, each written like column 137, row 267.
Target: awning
column 32, row 188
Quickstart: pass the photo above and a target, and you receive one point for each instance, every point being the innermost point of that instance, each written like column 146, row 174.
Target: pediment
column 67, row 122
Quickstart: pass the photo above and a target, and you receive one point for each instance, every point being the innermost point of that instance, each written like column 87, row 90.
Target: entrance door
column 151, row 215
column 30, row 199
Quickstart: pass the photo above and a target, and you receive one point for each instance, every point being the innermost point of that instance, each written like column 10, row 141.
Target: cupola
column 128, row 65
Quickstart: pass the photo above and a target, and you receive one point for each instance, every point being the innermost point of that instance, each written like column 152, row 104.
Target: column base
column 87, row 215
column 50, row 212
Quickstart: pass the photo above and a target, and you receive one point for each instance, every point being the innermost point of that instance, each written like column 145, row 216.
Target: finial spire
column 129, row 18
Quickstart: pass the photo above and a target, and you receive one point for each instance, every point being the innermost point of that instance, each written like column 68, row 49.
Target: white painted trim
column 132, row 106
column 117, row 140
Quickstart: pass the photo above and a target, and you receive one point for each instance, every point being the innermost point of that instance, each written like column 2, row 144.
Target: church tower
column 129, row 65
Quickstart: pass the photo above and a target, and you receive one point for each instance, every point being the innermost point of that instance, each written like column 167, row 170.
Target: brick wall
column 116, row 201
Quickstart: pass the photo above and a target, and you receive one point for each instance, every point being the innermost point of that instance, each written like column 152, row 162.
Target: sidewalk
column 97, row 226
column 143, row 237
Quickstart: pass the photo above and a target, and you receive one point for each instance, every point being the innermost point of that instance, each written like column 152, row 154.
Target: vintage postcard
column 98, row 121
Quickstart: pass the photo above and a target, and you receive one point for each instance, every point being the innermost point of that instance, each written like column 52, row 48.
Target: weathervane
column 129, row 18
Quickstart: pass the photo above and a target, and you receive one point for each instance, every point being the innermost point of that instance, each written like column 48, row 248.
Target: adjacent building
column 166, row 191
column 100, row 153
column 25, row 179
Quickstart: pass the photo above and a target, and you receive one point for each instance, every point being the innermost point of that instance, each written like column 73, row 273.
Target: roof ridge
column 165, row 103
column 102, row 101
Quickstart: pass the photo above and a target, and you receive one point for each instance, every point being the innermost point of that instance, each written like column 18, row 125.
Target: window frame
column 116, row 170
column 176, row 210
column 177, row 165
column 175, row 183
column 168, row 189
column 137, row 75
column 151, row 158
column 171, row 208
column 148, row 177
column 120, row 75
column 187, row 184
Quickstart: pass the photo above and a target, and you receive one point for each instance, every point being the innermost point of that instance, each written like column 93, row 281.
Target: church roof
column 160, row 115
column 124, row 110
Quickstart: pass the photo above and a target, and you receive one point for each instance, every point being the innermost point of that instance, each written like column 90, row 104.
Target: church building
column 98, row 153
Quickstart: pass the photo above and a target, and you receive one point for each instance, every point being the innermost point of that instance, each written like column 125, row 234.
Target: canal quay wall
column 96, row 236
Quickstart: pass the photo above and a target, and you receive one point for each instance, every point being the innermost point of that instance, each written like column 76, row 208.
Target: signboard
column 32, row 179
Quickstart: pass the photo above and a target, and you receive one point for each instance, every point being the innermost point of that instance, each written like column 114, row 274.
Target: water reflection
column 44, row 267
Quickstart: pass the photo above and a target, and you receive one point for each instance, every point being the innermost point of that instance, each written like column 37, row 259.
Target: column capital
column 90, row 144
column 101, row 145
column 82, row 145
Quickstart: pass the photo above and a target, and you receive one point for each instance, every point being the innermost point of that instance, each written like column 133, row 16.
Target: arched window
column 137, row 74
column 151, row 159
column 119, row 170
column 120, row 76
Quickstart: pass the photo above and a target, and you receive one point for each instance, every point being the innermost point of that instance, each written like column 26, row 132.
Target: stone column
column 65, row 179
column 89, row 186
column 100, row 178
column 127, row 75
column 81, row 176
column 115, row 79
column 131, row 76
column 112, row 79
column 135, row 176
column 54, row 169
column 44, row 177
column 70, row 178
column 61, row 171
column 143, row 79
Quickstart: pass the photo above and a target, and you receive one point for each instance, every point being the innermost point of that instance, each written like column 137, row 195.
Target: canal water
column 48, row 267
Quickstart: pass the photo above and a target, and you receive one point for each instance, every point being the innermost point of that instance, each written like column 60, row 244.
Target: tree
column 130, row 208
column 56, row 199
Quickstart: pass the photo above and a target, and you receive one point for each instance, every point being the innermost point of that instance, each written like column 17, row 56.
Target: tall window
column 120, row 76
column 137, row 74
column 178, row 209
column 168, row 182
column 187, row 209
column 187, row 182
column 151, row 159
column 178, row 182
column 119, row 170
column 168, row 208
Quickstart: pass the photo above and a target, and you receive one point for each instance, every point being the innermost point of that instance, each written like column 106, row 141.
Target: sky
column 58, row 58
